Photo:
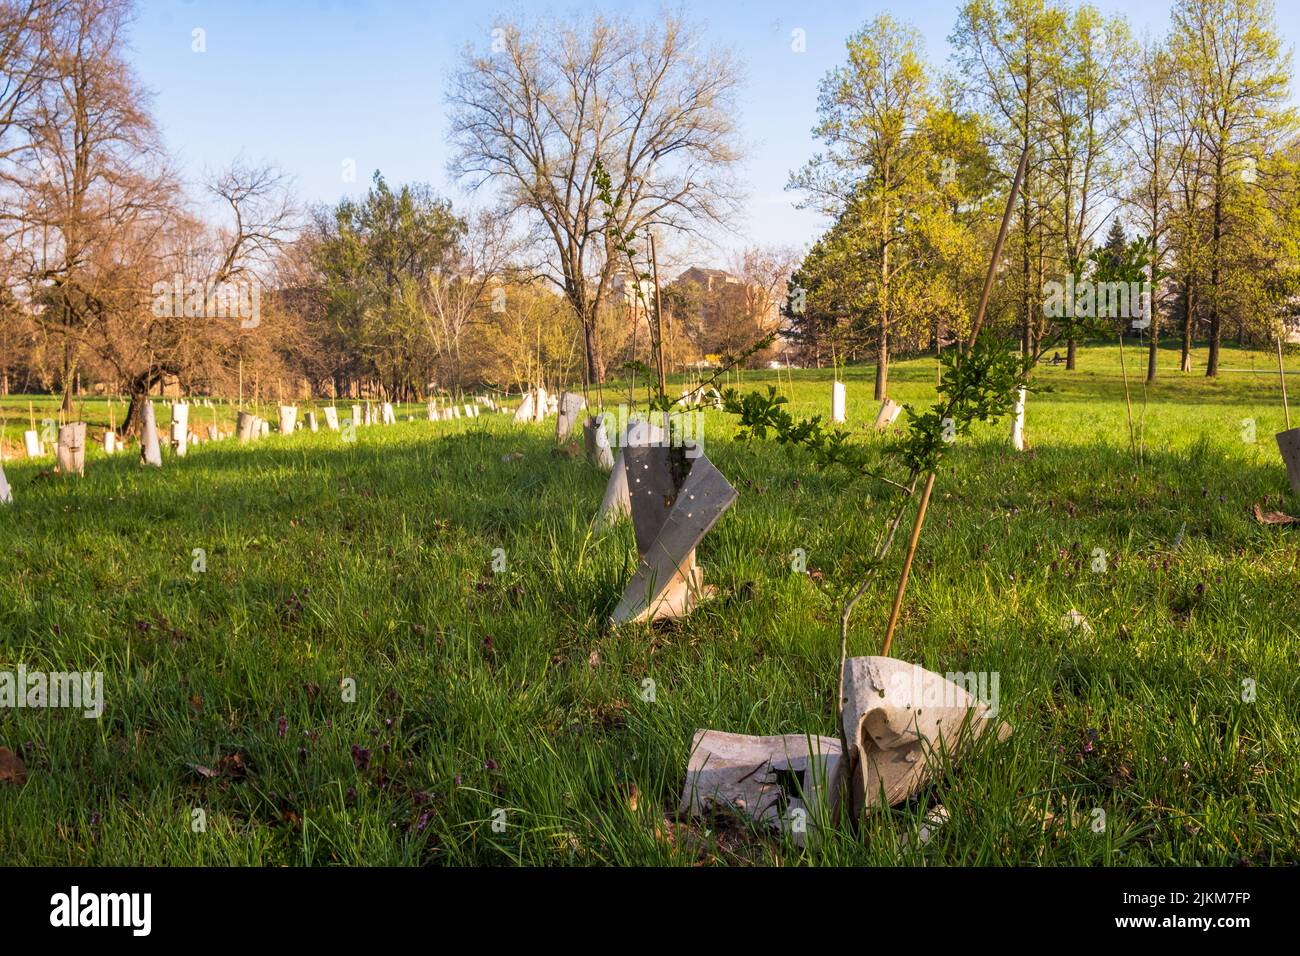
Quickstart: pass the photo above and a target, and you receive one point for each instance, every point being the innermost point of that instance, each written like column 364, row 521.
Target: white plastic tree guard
column 150, row 451
column 1288, row 443
column 71, row 450
column 433, row 412
column 902, row 723
column 548, row 405
column 356, row 415
column 888, row 414
column 110, row 443
column 524, row 413
column 616, row 503
column 288, row 416
column 6, row 494
column 669, row 521
column 787, row 782
column 310, row 419
column 332, row 418
column 32, row 443
column 386, row 414
column 595, row 440
column 214, row 433
column 571, row 406
column 264, row 427
column 1018, row 422
column 246, row 426
column 838, row 400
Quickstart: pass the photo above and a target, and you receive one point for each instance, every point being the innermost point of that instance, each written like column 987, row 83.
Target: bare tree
column 469, row 279
column 552, row 99
column 22, row 63
column 89, row 173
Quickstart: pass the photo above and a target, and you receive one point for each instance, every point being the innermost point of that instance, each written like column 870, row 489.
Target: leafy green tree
column 876, row 173
column 377, row 259
column 1237, row 76
column 1005, row 50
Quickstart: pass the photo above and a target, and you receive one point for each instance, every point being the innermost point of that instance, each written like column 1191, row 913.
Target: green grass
column 373, row 561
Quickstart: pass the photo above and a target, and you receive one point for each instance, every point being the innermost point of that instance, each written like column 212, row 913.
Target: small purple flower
column 282, row 727
column 490, row 764
column 360, row 757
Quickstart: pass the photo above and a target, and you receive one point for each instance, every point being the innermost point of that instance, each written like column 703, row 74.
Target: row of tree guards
column 70, row 447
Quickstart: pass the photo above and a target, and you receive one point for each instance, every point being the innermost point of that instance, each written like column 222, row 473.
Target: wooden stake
column 994, row 261
column 907, row 564
column 659, row 319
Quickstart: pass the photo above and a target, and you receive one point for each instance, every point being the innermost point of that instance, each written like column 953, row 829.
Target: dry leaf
column 11, row 767
column 1273, row 517
column 593, row 659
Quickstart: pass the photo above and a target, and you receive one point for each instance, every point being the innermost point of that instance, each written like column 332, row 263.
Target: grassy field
column 479, row 692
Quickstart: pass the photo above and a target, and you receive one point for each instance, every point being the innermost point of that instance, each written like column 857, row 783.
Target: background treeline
column 392, row 293
column 1185, row 140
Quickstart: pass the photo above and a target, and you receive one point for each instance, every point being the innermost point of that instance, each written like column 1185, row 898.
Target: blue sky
column 308, row 84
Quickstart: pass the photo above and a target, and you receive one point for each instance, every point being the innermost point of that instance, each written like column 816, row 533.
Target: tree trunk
column 1153, row 348
column 1153, row 345
column 1216, row 319
column 591, row 344
column 1189, row 307
column 1071, row 355
column 882, row 364
column 134, row 421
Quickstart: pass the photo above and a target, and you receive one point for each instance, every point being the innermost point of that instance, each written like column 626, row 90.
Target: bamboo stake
column 907, row 565
column 994, row 261
column 659, row 319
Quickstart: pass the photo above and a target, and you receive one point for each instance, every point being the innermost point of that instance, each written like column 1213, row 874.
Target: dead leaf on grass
column 12, row 769
column 1273, row 517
